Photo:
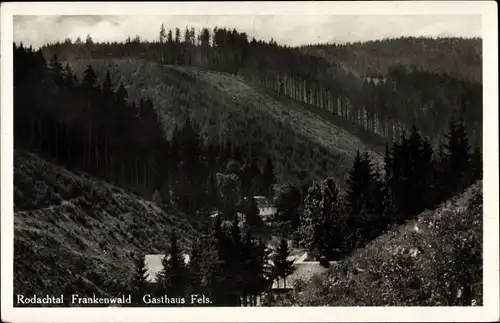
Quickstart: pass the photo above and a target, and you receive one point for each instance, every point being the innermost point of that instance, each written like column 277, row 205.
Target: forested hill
column 457, row 57
column 111, row 118
column 231, row 111
column 428, row 95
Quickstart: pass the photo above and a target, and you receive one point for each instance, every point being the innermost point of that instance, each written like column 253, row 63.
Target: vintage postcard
column 249, row 161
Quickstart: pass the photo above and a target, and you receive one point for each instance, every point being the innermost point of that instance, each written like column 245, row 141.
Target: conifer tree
column 354, row 196
column 233, row 265
column 254, row 278
column 196, row 264
column 400, row 178
column 268, row 178
column 205, row 37
column 440, row 173
column 282, row 266
column 121, row 95
column 89, row 78
column 414, row 171
column 107, row 85
column 387, row 182
column 56, row 70
column 173, row 277
column 189, row 168
column 426, row 175
column 379, row 202
column 458, row 157
column 177, row 35
column 477, row 163
column 204, row 265
column 370, row 179
column 69, row 76
column 163, row 35
column 139, row 280
column 365, row 198
column 248, row 273
column 169, row 37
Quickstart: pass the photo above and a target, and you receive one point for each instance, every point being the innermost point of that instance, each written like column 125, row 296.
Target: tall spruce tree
column 440, row 174
column 70, row 78
column 177, row 35
column 139, row 280
column 163, row 34
column 174, row 276
column 224, row 293
column 415, row 166
column 458, row 157
column 282, row 266
column 190, row 169
column 400, row 178
column 235, row 265
column 204, row 265
column 361, row 195
column 255, row 280
column 56, row 70
column 426, row 175
column 354, row 196
column 170, row 39
column 89, row 78
column 388, row 204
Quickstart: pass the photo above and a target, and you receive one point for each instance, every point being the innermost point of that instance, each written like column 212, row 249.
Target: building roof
column 263, row 202
column 154, row 265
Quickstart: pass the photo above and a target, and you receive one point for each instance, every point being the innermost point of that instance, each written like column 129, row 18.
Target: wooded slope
column 231, row 111
column 75, row 233
column 458, row 57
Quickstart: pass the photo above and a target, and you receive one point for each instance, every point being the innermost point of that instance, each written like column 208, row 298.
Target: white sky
column 285, row 29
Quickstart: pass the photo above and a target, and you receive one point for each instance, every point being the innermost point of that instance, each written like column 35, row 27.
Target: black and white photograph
column 295, row 155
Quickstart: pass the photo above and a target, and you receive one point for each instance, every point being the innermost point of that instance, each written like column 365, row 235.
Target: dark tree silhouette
column 174, row 275
column 139, row 281
column 282, row 266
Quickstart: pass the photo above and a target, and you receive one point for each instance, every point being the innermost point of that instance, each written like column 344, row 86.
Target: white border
column 488, row 312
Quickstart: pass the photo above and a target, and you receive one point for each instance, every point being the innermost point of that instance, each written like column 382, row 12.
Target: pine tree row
column 414, row 178
column 225, row 265
column 384, row 106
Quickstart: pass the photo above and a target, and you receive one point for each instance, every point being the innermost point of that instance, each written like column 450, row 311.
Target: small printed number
column 473, row 302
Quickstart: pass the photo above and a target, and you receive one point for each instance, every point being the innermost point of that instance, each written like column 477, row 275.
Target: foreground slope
column 73, row 232
column 227, row 108
column 434, row 260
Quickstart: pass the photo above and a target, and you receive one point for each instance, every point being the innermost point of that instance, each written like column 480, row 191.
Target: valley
column 125, row 151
